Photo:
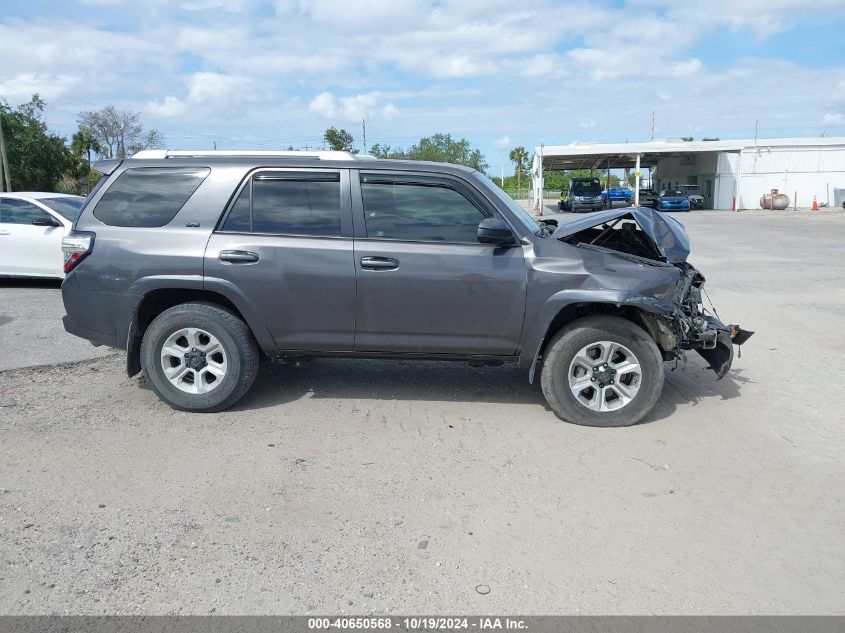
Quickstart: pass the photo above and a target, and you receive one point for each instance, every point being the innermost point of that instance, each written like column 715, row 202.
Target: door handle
column 238, row 257
column 379, row 263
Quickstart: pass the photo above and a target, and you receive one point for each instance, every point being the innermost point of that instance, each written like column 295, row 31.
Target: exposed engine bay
column 682, row 323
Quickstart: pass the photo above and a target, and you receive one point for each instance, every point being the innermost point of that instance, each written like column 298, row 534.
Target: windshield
column 519, row 214
column 674, row 194
column 691, row 188
column 588, row 186
column 68, row 207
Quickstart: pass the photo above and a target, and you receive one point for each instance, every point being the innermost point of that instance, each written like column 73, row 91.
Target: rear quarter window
column 148, row 196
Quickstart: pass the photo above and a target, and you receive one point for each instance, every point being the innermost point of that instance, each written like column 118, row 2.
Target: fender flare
column 140, row 288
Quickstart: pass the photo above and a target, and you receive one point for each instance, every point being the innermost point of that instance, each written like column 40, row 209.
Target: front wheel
column 602, row 371
column 199, row 357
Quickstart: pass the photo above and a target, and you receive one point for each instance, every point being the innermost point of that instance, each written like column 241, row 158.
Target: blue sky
column 269, row 74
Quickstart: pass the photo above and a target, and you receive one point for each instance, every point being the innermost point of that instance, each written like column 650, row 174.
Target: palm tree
column 519, row 156
column 83, row 142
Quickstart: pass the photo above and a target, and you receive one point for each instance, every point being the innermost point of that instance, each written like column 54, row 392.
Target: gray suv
column 201, row 265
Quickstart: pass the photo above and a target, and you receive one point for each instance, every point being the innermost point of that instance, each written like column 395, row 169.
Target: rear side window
column 288, row 203
column 148, row 196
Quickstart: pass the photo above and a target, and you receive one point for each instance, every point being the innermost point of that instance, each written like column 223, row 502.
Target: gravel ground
column 394, row 487
column 31, row 330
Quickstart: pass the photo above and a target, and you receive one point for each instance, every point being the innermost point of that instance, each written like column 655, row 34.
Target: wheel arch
column 154, row 301
column 558, row 314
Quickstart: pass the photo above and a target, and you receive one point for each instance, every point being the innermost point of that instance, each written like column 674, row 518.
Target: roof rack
column 169, row 153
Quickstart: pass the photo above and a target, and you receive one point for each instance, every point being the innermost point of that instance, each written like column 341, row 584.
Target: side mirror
column 495, row 231
column 45, row 222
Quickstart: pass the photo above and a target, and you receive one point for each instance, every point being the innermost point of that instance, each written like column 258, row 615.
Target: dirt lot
column 351, row 486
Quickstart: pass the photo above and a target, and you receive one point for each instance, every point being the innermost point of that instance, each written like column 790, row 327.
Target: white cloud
column 686, row 67
column 205, row 91
column 761, row 18
column 389, row 112
column 168, row 107
column 22, row 86
column 833, row 118
column 462, row 66
column 353, row 108
column 504, row 142
column 324, row 104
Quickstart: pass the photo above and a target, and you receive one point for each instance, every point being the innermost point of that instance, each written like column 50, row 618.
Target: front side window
column 148, row 196
column 419, row 212
column 14, row 211
column 287, row 203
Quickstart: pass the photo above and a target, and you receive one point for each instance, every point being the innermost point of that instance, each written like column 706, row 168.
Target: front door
column 425, row 283
column 286, row 243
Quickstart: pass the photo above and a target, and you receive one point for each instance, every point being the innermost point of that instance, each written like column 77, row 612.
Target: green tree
column 37, row 158
column 687, row 139
column 519, row 157
column 339, row 140
column 441, row 148
column 385, row 151
column 82, row 145
column 119, row 132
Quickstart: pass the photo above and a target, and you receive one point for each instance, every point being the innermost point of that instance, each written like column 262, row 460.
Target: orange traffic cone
column 815, row 204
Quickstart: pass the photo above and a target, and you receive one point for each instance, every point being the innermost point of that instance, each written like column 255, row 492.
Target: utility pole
column 652, row 125
column 5, row 176
column 364, row 125
column 215, row 146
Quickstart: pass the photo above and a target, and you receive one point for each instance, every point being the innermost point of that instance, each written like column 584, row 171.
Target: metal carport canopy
column 621, row 155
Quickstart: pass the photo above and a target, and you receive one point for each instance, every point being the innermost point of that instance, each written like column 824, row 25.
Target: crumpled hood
column 666, row 232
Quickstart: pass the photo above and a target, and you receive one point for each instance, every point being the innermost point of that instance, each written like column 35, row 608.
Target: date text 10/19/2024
column 418, row 623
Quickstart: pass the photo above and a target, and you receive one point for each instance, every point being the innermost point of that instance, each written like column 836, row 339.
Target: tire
column 623, row 338
column 231, row 364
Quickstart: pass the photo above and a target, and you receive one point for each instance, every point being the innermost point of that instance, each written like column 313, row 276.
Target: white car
column 32, row 225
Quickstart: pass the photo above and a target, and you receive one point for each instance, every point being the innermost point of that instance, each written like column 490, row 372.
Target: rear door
column 27, row 249
column 425, row 283
column 286, row 245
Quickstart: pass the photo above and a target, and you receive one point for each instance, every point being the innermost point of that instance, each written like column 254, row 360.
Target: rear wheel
column 199, row 357
column 602, row 371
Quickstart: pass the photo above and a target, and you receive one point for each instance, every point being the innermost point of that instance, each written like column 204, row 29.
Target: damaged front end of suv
column 655, row 278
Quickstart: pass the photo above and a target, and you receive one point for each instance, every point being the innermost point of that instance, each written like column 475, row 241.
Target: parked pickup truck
column 203, row 264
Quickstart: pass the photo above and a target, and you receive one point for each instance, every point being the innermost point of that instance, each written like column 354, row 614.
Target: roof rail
column 169, row 153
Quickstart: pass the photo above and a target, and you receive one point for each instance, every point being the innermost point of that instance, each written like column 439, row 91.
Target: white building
column 726, row 171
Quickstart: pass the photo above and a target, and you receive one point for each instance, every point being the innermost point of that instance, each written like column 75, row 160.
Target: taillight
column 76, row 245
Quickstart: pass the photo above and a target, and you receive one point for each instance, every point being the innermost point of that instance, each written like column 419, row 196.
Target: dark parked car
column 672, row 200
column 648, row 198
column 585, row 194
column 202, row 265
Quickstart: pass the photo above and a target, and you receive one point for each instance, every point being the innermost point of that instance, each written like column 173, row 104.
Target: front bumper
column 720, row 353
